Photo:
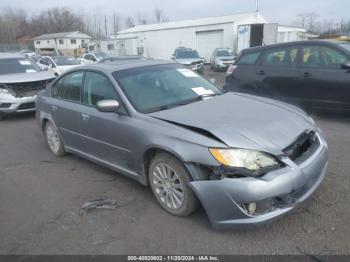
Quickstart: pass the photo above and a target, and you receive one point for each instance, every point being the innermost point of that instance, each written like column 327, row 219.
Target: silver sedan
column 246, row 160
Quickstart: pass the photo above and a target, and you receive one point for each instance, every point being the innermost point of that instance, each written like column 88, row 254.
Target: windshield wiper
column 188, row 101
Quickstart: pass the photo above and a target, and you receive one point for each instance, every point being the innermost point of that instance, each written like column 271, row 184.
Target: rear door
column 323, row 83
column 65, row 108
column 277, row 73
column 243, row 78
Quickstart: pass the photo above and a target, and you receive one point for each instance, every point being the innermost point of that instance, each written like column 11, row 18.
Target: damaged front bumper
column 10, row 104
column 226, row 201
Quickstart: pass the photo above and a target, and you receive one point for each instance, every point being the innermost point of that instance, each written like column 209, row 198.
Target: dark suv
column 311, row 74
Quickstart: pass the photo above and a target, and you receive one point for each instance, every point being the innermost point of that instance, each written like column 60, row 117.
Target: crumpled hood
column 243, row 121
column 188, row 61
column 25, row 77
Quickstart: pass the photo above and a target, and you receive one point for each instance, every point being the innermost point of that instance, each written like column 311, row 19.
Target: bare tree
column 129, row 22
column 116, row 23
column 160, row 16
column 309, row 21
column 142, row 18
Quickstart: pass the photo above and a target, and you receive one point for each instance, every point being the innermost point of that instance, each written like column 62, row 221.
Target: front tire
column 169, row 182
column 53, row 140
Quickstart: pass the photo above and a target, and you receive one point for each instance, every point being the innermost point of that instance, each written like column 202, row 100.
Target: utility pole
column 106, row 24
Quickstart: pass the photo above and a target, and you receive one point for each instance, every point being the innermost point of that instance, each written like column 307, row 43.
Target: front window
column 224, row 53
column 101, row 55
column 38, row 42
column 160, row 87
column 60, row 41
column 17, row 65
column 183, row 54
column 73, row 41
column 62, row 61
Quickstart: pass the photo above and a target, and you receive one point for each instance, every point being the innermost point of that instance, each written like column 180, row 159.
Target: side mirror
column 110, row 106
column 346, row 66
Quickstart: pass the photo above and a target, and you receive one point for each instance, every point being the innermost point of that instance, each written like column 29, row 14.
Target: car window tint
column 249, row 59
column 311, row 57
column 97, row 87
column 70, row 88
column 280, row 57
column 332, row 58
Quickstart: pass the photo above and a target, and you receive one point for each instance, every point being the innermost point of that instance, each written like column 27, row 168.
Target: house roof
column 75, row 34
column 193, row 22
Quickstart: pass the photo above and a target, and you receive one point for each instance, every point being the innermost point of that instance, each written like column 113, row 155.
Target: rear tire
column 169, row 182
column 53, row 140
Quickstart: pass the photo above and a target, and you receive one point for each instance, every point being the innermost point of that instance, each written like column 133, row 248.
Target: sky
column 281, row 11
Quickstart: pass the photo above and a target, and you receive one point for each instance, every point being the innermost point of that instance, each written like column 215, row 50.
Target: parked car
column 189, row 58
column 310, row 74
column 165, row 126
column 20, row 81
column 27, row 53
column 57, row 64
column 90, row 58
column 123, row 58
column 221, row 59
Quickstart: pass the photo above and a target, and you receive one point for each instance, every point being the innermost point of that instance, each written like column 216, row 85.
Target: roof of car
column 320, row 41
column 123, row 64
column 11, row 55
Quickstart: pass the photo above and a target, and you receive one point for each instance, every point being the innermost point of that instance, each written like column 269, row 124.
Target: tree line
column 313, row 24
column 16, row 22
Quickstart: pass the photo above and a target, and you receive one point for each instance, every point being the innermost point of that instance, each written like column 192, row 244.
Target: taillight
column 231, row 69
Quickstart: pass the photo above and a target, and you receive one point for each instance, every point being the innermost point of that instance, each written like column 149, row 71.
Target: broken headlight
column 244, row 158
column 6, row 91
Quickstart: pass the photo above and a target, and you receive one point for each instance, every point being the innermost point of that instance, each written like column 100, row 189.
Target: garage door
column 207, row 41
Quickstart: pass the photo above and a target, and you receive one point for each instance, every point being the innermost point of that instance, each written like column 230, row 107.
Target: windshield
column 61, row 61
column 17, row 65
column 345, row 45
column 101, row 55
column 224, row 53
column 155, row 88
column 187, row 54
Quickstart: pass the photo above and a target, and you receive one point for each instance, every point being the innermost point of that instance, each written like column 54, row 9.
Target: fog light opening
column 250, row 208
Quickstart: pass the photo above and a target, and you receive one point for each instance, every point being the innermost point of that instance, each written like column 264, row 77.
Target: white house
column 68, row 43
column 291, row 33
column 236, row 31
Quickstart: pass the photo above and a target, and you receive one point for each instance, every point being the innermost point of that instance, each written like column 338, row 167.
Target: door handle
column 261, row 73
column 54, row 108
column 307, row 75
column 85, row 117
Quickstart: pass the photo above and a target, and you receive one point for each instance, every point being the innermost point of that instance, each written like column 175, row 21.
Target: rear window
column 248, row 59
column 17, row 65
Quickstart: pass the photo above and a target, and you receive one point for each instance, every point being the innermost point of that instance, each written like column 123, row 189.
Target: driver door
column 107, row 136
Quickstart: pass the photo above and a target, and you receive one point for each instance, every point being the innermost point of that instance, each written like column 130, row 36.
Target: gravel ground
column 41, row 195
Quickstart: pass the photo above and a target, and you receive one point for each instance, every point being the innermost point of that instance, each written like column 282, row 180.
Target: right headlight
column 244, row 158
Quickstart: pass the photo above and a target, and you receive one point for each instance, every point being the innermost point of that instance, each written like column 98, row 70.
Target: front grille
column 25, row 106
column 5, row 105
column 26, row 89
column 226, row 59
column 303, row 144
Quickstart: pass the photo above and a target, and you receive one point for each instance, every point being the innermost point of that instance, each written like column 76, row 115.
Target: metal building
column 236, row 31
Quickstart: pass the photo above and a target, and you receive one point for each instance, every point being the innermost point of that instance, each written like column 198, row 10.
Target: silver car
column 221, row 59
column 189, row 58
column 247, row 160
column 20, row 81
